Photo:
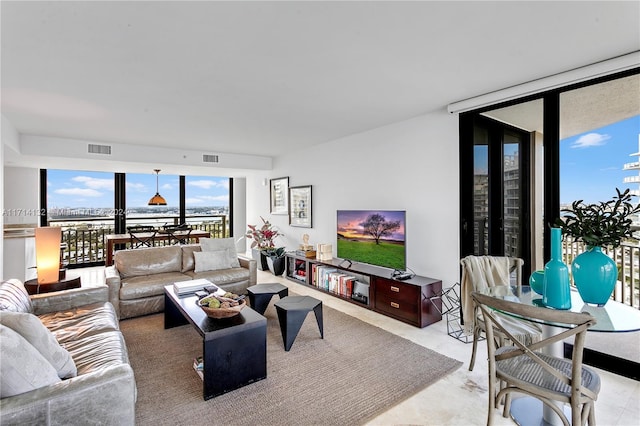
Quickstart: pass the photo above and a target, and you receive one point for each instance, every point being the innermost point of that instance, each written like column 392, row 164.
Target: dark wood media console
column 407, row 301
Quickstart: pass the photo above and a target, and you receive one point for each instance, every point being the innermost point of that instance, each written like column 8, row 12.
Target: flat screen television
column 376, row 237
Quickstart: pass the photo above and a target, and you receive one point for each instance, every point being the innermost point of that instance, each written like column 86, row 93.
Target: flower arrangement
column 263, row 237
column 601, row 224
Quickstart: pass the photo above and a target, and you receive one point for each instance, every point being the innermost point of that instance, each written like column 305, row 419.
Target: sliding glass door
column 495, row 177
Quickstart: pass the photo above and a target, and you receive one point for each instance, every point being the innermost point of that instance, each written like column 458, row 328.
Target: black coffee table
column 234, row 350
column 292, row 311
column 260, row 295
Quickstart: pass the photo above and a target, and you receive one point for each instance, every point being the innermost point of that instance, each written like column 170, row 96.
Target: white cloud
column 214, row 198
column 590, row 139
column 166, row 186
column 204, row 184
column 207, row 199
column 138, row 187
column 84, row 192
column 193, row 201
column 95, row 183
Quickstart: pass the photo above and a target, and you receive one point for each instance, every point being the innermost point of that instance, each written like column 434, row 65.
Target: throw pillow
column 211, row 260
column 14, row 297
column 211, row 244
column 188, row 262
column 22, row 369
column 34, row 331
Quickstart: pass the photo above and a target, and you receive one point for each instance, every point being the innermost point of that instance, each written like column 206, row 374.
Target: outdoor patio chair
column 141, row 235
column 480, row 272
column 524, row 368
column 178, row 234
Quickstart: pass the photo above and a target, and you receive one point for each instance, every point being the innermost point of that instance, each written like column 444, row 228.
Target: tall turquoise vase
column 595, row 275
column 556, row 292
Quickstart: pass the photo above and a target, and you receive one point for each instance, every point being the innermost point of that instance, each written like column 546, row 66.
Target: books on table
column 191, row 286
column 198, row 366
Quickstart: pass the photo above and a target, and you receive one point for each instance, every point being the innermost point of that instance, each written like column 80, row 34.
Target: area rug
column 354, row 374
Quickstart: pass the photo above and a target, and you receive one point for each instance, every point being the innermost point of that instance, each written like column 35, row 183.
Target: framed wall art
column 300, row 206
column 279, row 199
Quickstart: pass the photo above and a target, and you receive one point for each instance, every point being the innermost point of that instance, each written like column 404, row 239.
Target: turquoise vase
column 595, row 275
column 536, row 282
column 556, row 292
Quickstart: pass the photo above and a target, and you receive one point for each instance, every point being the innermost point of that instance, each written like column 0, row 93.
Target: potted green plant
column 263, row 239
column 606, row 223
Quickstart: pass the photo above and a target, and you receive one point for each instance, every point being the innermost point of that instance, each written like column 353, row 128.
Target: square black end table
column 292, row 310
column 234, row 350
column 260, row 295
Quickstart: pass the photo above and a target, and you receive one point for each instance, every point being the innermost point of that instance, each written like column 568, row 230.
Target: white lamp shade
column 48, row 254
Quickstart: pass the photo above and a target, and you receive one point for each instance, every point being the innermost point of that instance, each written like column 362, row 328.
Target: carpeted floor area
column 352, row 375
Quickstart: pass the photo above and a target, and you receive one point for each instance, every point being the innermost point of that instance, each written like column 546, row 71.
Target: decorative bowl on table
column 222, row 312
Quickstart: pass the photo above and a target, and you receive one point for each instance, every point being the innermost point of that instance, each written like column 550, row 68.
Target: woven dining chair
column 475, row 277
column 524, row 368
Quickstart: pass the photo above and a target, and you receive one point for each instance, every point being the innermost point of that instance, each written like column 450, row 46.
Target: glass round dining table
column 613, row 317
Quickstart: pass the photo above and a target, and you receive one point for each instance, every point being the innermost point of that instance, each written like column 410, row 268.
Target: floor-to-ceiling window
column 576, row 149
column 90, row 205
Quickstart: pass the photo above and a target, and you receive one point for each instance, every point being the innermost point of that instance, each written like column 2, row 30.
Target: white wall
column 21, row 204
column 9, row 139
column 412, row 166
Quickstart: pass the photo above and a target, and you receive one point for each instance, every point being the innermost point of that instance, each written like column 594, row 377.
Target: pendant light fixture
column 157, row 199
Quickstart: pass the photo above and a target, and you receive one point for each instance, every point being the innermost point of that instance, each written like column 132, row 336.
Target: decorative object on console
column 157, row 200
column 598, row 225
column 556, row 292
column 48, row 254
column 278, row 195
column 305, row 249
column 300, row 206
column 324, row 252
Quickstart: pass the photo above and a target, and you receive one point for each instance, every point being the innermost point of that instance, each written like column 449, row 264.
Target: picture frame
column 300, row 206
column 279, row 195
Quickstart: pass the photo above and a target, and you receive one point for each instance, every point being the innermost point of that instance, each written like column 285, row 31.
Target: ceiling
column 265, row 78
column 581, row 109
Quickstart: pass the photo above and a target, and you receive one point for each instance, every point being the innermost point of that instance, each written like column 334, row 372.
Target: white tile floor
column 461, row 397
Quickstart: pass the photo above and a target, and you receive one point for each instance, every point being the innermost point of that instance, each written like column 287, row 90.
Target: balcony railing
column 85, row 239
column 627, row 257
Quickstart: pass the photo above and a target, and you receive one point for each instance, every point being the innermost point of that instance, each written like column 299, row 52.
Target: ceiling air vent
column 99, row 149
column 209, row 158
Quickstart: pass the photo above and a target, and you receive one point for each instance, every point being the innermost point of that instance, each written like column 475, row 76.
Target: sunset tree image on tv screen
column 376, row 237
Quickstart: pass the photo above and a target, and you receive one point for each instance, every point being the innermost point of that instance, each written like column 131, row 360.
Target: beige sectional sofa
column 137, row 278
column 64, row 360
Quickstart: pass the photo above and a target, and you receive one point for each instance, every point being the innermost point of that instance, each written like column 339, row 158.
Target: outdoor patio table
column 114, row 239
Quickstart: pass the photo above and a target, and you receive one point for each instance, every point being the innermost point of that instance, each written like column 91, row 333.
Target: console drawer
column 397, row 290
column 404, row 309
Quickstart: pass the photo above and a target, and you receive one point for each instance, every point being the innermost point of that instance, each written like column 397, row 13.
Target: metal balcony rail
column 627, row 257
column 86, row 243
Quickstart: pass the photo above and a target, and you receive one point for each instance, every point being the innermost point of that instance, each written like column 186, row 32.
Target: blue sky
column 591, row 163
column 72, row 189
